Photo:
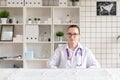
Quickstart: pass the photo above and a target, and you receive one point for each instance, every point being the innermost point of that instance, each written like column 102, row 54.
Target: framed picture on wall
column 7, row 32
column 106, row 8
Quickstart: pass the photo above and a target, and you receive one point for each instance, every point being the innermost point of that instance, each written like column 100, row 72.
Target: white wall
column 99, row 33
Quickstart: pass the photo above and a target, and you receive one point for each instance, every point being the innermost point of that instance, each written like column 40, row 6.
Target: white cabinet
column 46, row 20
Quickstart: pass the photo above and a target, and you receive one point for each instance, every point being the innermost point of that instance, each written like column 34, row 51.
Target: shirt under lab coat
column 60, row 58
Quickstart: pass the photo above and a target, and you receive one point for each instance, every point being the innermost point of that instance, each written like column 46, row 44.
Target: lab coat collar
column 79, row 46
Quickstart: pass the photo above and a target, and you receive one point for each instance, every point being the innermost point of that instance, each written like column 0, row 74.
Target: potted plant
column 4, row 14
column 29, row 21
column 75, row 2
column 38, row 20
column 35, row 20
column 60, row 34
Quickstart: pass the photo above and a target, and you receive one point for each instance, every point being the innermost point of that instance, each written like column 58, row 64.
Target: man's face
column 73, row 35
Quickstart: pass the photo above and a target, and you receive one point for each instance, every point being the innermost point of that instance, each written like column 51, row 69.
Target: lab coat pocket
column 68, row 64
column 79, row 61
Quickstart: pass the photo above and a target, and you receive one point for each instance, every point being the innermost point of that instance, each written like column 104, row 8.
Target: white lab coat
column 59, row 58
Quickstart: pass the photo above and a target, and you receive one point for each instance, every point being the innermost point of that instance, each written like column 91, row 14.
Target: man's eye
column 70, row 34
column 75, row 34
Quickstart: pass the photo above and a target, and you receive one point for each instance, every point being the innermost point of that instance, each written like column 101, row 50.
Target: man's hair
column 74, row 26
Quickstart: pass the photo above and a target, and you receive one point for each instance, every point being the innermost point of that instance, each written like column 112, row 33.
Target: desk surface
column 59, row 74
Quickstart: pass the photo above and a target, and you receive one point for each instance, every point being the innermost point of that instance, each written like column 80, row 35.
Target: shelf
column 19, row 24
column 40, row 48
column 37, row 59
column 43, row 42
column 38, row 7
column 6, row 42
column 11, row 7
column 60, row 42
column 64, row 24
column 39, row 24
column 66, row 7
column 11, row 59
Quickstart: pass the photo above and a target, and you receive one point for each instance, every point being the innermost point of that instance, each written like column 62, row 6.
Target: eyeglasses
column 72, row 34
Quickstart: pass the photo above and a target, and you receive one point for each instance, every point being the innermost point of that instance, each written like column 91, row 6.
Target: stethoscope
column 68, row 55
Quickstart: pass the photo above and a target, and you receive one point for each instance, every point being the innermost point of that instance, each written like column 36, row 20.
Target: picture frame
column 7, row 33
column 105, row 8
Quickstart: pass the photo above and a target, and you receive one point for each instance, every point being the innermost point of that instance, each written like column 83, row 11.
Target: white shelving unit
column 36, row 53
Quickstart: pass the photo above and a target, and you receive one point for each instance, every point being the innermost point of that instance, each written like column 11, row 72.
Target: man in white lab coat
column 73, row 54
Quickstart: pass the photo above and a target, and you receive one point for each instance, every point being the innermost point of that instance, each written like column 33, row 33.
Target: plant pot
column 77, row 3
column 29, row 22
column 74, row 3
column 3, row 20
column 14, row 20
column 38, row 22
column 60, row 39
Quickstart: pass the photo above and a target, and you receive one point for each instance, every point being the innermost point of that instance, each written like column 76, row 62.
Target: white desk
column 59, row 74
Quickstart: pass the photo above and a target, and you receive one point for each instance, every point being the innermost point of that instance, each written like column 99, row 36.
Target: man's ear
column 79, row 36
